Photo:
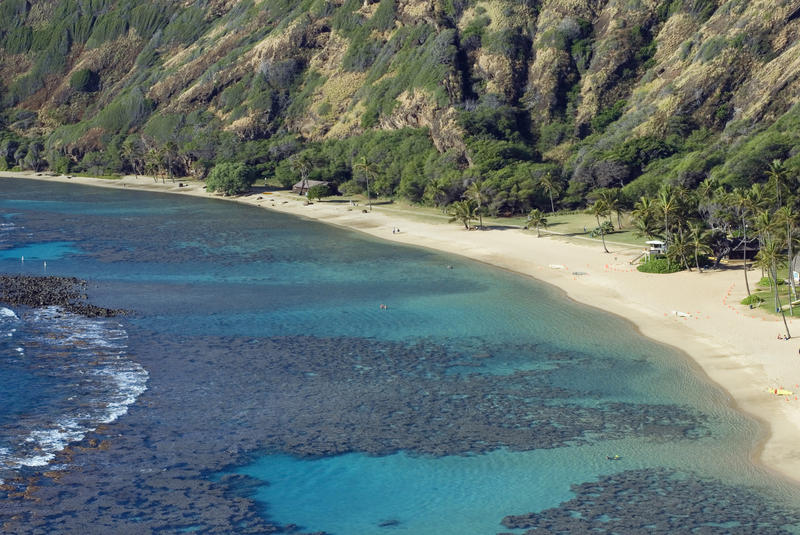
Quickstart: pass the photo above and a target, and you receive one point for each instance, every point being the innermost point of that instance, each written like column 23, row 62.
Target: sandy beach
column 698, row 313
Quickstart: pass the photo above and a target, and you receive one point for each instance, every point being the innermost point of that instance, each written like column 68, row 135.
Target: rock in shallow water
column 42, row 291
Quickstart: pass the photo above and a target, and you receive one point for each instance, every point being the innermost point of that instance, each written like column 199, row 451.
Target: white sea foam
column 6, row 227
column 8, row 321
column 35, row 460
column 8, row 313
column 104, row 381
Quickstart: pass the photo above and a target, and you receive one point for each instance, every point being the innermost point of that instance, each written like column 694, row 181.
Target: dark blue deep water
column 257, row 385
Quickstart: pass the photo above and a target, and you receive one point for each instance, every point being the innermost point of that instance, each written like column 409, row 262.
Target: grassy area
column 426, row 214
column 763, row 291
column 569, row 224
column 582, row 224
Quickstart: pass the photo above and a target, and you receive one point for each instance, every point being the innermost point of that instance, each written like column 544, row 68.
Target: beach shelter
column 739, row 249
column 303, row 186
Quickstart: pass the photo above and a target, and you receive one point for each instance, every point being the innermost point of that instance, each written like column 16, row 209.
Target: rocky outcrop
column 65, row 292
column 416, row 110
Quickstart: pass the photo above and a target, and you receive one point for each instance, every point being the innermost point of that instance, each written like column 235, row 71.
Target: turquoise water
column 475, row 395
column 356, row 494
column 39, row 251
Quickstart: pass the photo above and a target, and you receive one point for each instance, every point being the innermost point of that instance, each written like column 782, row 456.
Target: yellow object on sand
column 779, row 391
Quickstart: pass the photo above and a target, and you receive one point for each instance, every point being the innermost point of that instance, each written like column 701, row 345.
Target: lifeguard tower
column 655, row 247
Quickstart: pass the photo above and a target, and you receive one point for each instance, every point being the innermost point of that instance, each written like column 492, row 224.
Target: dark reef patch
column 659, row 501
column 357, row 395
column 68, row 293
column 214, row 402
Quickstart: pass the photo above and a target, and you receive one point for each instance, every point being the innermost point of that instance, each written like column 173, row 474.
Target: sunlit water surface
column 476, row 394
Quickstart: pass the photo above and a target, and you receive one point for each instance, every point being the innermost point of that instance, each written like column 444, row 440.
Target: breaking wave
column 91, row 380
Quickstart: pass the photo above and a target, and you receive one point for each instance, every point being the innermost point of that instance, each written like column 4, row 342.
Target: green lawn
column 763, row 290
column 569, row 225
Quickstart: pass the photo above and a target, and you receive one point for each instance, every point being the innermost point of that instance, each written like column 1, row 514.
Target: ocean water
column 63, row 375
column 257, row 383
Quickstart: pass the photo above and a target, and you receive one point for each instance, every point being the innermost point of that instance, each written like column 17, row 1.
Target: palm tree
column 644, row 217
column 170, row 151
column 154, row 161
column 699, row 237
column 367, row 169
column 706, row 189
column 302, row 165
column 706, row 198
column 537, row 219
column 438, row 193
column 613, row 199
column 766, row 225
column 759, row 196
column 480, row 196
column 742, row 204
column 787, row 216
column 551, row 186
column 679, row 249
column 464, row 211
column 777, row 175
column 604, row 228
column 131, row 152
column 667, row 203
column 770, row 257
column 600, row 209
column 645, row 228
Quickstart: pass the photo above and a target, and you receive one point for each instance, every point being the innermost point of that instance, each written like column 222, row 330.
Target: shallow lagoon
column 477, row 394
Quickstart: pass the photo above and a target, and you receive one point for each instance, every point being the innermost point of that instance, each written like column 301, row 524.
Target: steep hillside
column 436, row 94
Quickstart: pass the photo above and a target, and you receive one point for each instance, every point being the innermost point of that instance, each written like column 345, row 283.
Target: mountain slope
column 595, row 92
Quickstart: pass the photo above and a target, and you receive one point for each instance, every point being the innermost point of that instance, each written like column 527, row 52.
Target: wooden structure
column 302, row 187
column 737, row 251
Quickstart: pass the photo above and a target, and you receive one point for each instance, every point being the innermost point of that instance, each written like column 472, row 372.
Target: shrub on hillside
column 85, row 80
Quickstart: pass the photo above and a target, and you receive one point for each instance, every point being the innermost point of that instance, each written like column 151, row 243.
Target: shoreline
column 698, row 314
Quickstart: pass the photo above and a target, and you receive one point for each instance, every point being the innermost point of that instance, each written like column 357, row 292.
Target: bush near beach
column 230, row 179
column 659, row 265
